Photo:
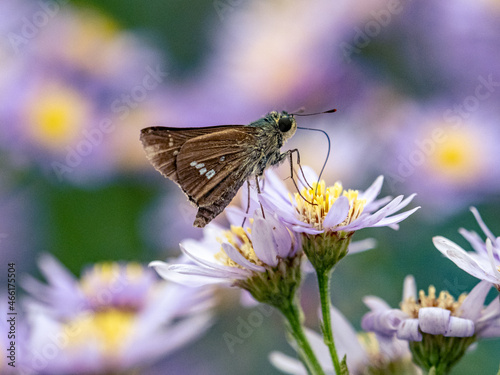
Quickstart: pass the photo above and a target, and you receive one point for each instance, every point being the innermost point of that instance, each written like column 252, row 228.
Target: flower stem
column 293, row 315
column 324, row 293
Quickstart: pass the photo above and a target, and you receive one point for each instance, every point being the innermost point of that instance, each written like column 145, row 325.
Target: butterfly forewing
column 207, row 165
column 163, row 144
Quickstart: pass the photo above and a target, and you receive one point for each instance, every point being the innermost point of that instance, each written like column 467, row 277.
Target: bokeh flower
column 117, row 317
column 64, row 102
column 438, row 327
column 484, row 263
column 445, row 155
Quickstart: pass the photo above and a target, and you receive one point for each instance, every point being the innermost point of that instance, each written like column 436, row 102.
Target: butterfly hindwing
column 212, row 167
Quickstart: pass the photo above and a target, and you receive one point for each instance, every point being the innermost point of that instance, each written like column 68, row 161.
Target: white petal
column 494, row 269
column 237, row 257
column 338, row 212
column 409, row 288
column 482, row 225
column 287, row 364
column 187, row 279
column 408, row 330
column 433, row 320
column 346, row 340
column 391, row 220
column 458, row 327
column 263, row 241
column 362, row 245
column 472, row 306
column 376, row 303
column 461, row 258
column 371, row 193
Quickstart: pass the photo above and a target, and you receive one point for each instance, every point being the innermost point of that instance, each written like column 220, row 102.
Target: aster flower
column 118, row 317
column 328, row 217
column 263, row 259
column 366, row 353
column 447, row 156
column 335, row 209
column 484, row 263
column 63, row 108
column 438, row 328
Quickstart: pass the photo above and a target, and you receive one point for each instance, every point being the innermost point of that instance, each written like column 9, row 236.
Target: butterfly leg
column 289, row 154
column 248, row 204
column 258, row 191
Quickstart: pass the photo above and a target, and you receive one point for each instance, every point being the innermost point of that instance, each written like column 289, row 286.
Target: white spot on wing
column 193, row 163
column 176, row 152
column 222, row 158
column 202, row 171
column 199, row 165
column 210, row 174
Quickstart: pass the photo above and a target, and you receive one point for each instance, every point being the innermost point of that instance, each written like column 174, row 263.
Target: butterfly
column 210, row 164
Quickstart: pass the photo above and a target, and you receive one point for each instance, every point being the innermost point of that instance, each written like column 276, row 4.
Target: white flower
column 484, row 263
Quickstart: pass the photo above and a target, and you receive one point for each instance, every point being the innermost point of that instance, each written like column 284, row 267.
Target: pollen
column 238, row 238
column 445, row 301
column 314, row 203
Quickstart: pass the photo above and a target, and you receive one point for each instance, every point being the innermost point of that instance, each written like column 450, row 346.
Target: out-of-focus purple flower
column 365, row 352
column 334, row 209
column 484, row 263
column 448, row 158
column 117, row 317
column 431, row 323
column 260, row 63
column 71, row 85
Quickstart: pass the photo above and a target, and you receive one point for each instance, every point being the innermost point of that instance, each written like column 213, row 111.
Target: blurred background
column 416, row 85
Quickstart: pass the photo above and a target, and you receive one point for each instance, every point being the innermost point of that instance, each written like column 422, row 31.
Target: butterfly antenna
column 299, row 112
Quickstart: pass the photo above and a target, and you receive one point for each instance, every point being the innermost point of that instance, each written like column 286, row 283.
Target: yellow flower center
column 56, row 116
column 444, row 301
column 238, row 238
column 108, row 330
column 106, row 273
column 322, row 199
column 458, row 157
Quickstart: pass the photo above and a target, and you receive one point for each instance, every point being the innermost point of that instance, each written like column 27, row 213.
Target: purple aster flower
column 484, row 263
column 267, row 252
column 70, row 87
column 117, row 317
column 335, row 209
column 365, row 352
column 448, row 158
column 327, row 217
column 439, row 328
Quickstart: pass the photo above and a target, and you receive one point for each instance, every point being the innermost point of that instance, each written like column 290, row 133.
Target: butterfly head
column 285, row 122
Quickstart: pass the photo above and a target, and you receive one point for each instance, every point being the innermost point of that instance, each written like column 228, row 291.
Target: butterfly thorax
column 273, row 131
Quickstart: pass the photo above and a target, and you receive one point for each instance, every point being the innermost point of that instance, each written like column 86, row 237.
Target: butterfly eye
column 285, row 124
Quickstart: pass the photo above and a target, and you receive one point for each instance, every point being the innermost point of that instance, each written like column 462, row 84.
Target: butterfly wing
column 212, row 167
column 162, row 145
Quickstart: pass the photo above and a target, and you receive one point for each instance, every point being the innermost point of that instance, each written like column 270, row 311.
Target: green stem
column 293, row 315
column 324, row 293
